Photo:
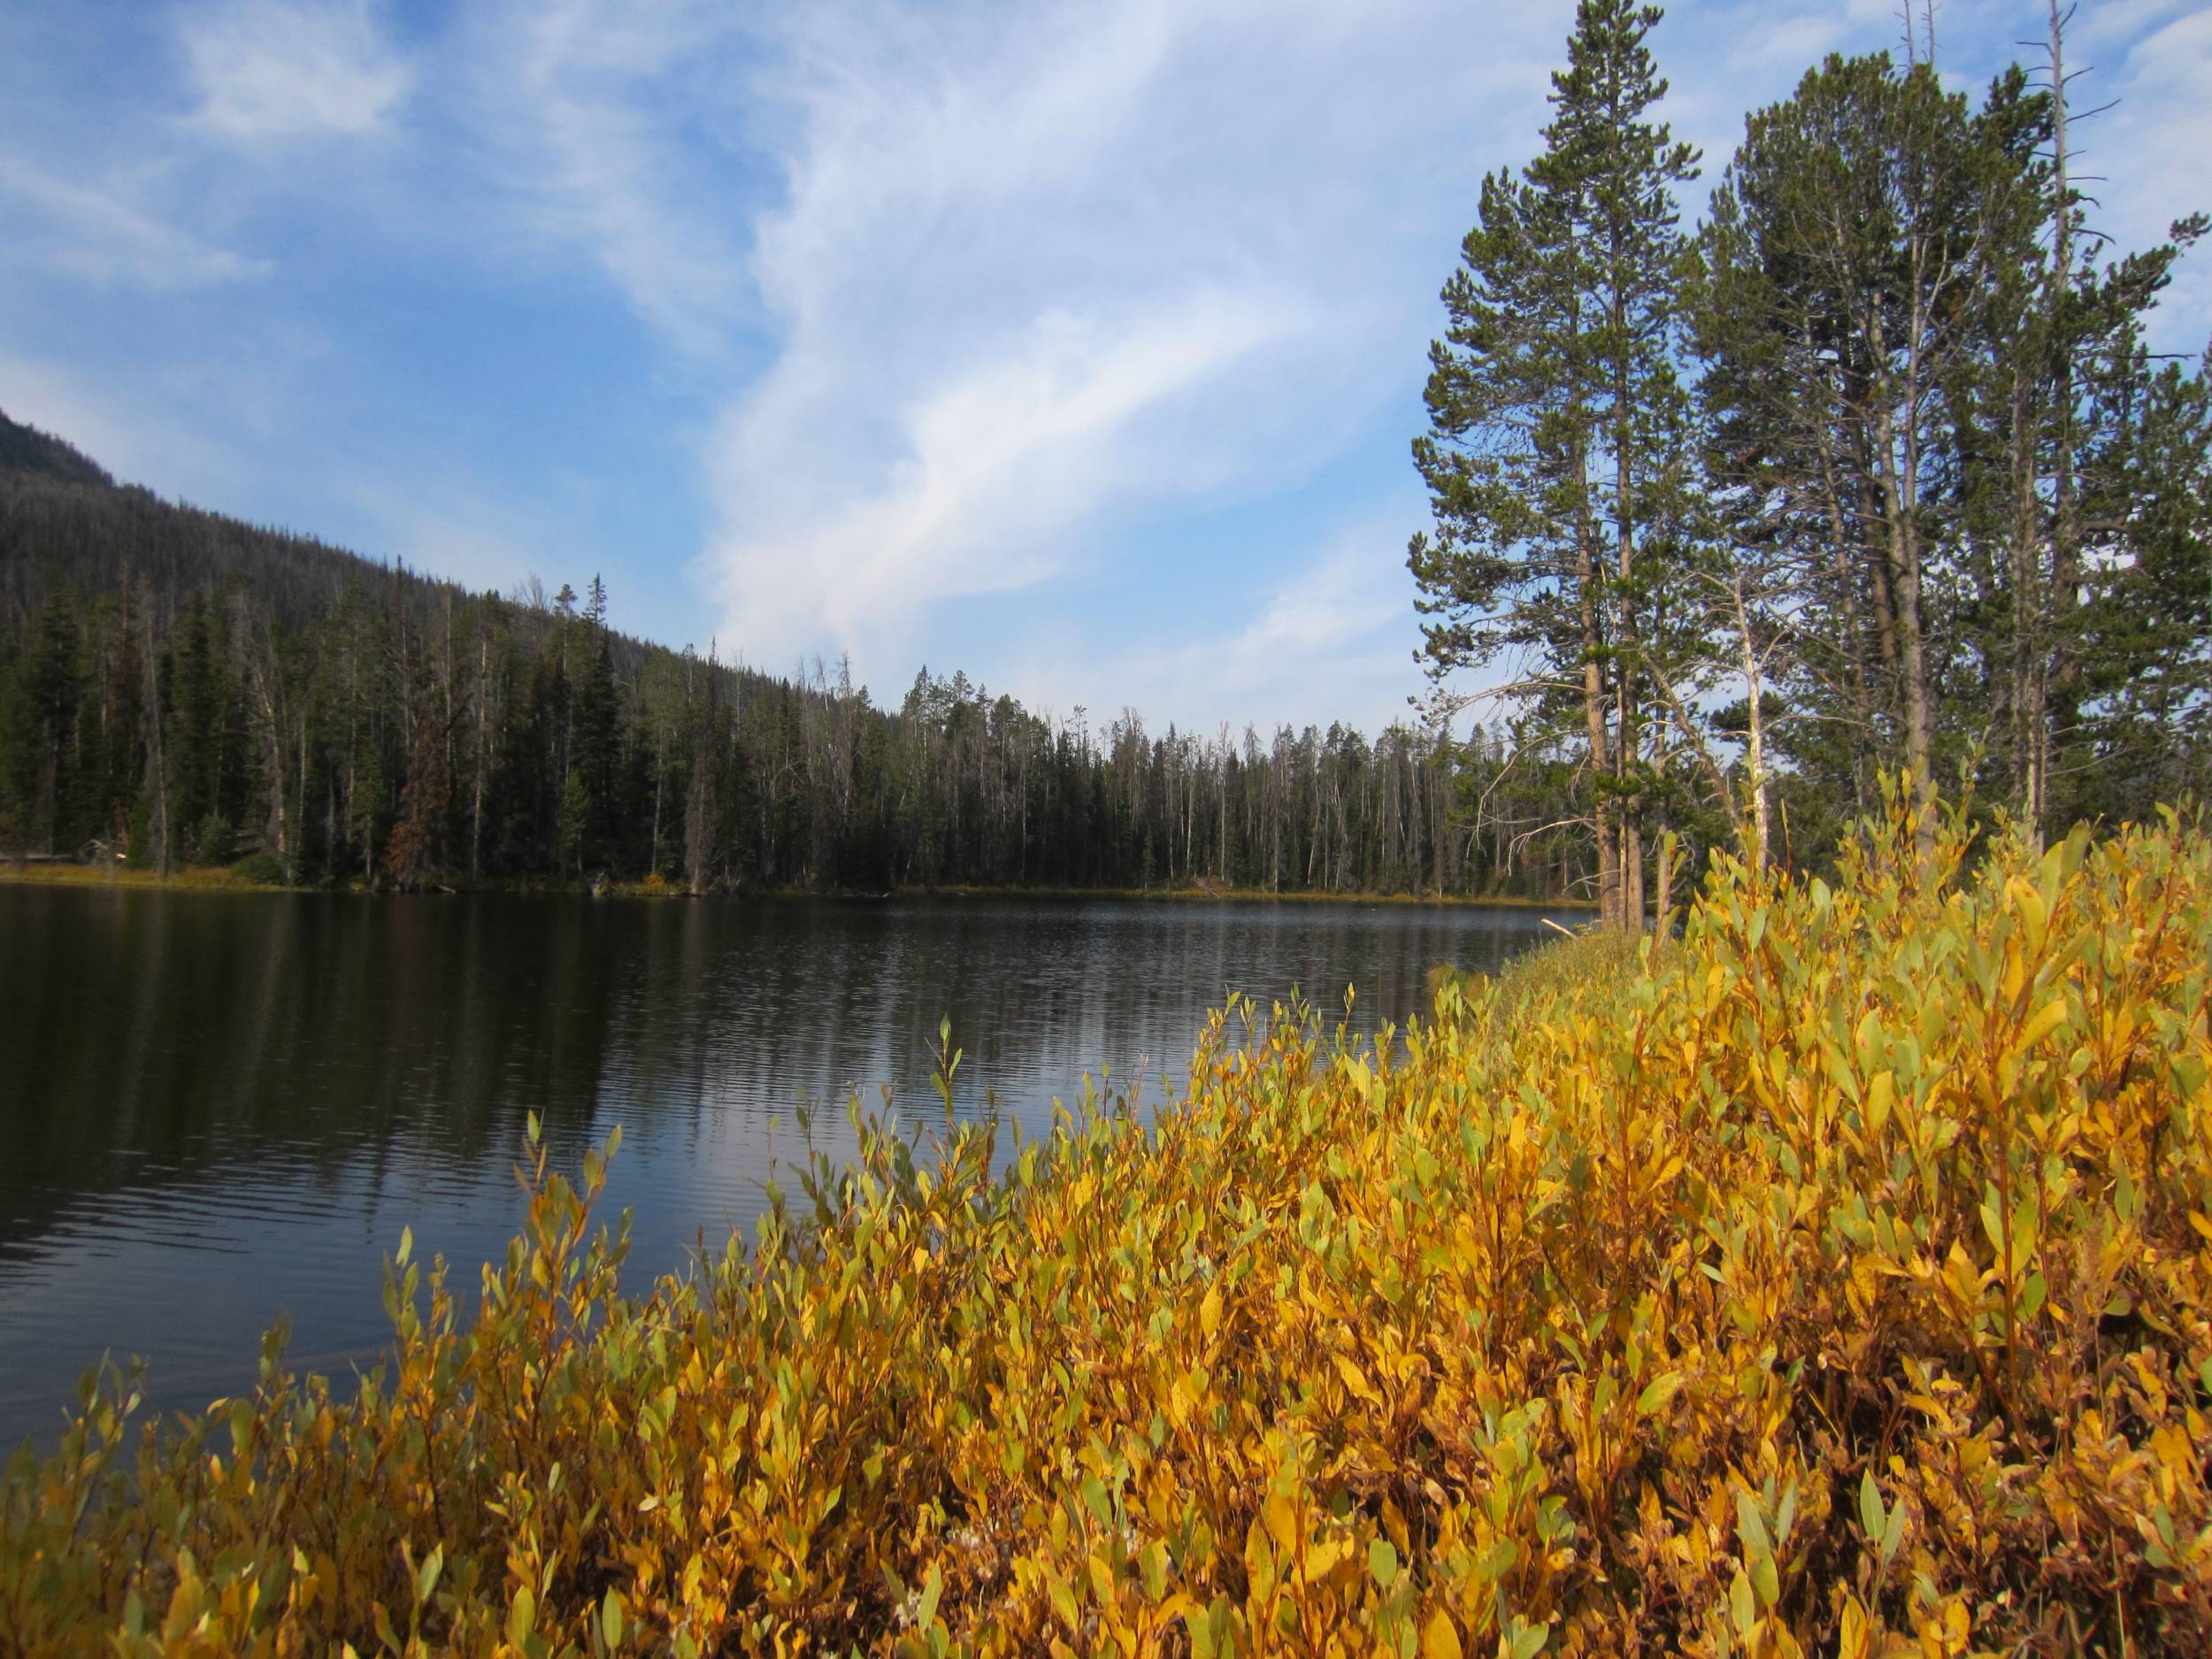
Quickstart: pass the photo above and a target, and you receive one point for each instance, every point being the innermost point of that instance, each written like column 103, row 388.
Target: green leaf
column 1658, row 1392
column 1750, row 1526
column 1062, row 1600
column 1764, row 1576
column 932, row 1587
column 406, row 1246
column 1871, row 1515
column 1382, row 1562
column 522, row 1613
column 1095, row 1500
column 610, row 1619
column 1152, row 1562
column 1741, row 1607
column 1758, row 1548
column 1893, row 1535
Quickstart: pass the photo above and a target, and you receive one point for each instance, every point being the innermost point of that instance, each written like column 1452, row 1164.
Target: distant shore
column 1241, row 895
column 222, row 879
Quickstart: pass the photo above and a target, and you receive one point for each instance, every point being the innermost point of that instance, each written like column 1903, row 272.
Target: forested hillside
column 183, row 688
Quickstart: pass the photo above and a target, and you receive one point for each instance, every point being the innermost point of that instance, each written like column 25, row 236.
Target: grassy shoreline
column 187, row 880
column 1835, row 1279
column 219, row 879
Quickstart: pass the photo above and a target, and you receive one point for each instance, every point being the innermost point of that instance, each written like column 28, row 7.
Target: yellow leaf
column 1881, row 1093
column 1851, row 1631
column 1355, row 1381
column 1439, row 1640
column 2047, row 1019
column 1210, row 1312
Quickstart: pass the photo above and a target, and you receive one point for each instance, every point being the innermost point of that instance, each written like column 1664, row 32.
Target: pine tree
column 1844, row 249
column 1931, row 415
column 39, row 732
column 571, row 829
column 702, row 819
column 1548, row 399
column 365, row 808
column 595, row 749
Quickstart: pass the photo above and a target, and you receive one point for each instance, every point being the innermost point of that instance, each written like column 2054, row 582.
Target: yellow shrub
column 1835, row 1282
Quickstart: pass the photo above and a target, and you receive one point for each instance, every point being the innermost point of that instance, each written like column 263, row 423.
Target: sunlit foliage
column 1834, row 1281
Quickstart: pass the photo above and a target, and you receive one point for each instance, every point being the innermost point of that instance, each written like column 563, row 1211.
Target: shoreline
column 199, row 880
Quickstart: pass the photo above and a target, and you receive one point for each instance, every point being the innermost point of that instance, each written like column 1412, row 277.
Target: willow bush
column 1834, row 1283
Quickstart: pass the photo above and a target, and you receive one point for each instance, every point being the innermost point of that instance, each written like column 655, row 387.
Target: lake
column 217, row 1106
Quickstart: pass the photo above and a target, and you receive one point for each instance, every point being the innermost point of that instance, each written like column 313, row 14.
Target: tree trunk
column 1755, row 758
column 2060, row 711
column 1602, row 813
column 156, row 753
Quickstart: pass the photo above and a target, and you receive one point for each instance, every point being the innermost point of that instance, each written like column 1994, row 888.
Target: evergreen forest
column 181, row 689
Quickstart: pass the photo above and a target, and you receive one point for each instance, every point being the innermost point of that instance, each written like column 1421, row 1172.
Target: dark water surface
column 214, row 1107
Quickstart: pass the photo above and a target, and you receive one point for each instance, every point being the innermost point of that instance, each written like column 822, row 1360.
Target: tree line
column 177, row 688
column 1873, row 469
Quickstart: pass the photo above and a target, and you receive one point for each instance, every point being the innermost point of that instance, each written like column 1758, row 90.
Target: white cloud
column 1327, row 634
column 599, row 116
column 269, row 70
column 1038, row 273
column 1335, row 641
column 2145, row 160
column 87, row 234
column 992, row 468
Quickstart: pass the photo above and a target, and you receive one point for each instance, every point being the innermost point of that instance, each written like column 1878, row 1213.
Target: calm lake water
column 215, row 1106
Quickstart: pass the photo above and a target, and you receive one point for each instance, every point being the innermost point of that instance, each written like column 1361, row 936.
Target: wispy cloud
column 1037, row 273
column 2144, row 159
column 987, row 473
column 600, row 116
column 1329, row 640
column 77, row 231
column 267, row 70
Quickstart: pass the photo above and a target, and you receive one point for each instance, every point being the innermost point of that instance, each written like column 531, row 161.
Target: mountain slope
column 27, row 450
column 195, row 689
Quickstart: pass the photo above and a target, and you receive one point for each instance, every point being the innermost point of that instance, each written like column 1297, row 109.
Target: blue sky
column 1075, row 346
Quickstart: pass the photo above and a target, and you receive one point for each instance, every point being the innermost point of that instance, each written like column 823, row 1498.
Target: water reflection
column 214, row 1107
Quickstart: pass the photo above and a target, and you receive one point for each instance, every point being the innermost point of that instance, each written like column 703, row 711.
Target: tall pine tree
column 1552, row 401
